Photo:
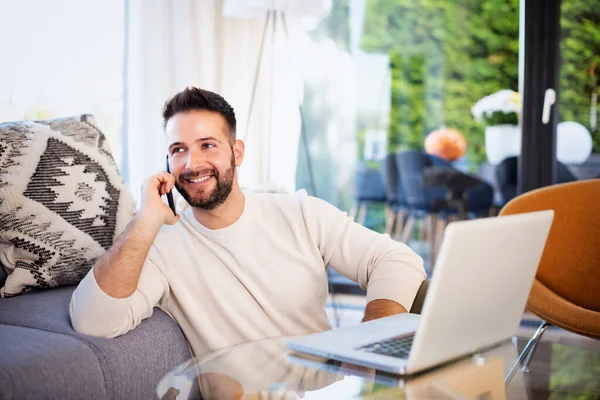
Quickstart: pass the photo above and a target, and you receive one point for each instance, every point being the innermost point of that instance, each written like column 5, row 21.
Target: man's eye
column 177, row 150
column 207, row 145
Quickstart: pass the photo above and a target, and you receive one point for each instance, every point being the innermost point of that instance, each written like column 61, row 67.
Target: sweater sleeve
column 385, row 268
column 95, row 313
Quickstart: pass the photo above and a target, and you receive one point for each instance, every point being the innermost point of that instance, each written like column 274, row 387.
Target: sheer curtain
column 173, row 44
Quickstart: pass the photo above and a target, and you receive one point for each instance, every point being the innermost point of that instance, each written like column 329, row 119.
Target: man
column 234, row 266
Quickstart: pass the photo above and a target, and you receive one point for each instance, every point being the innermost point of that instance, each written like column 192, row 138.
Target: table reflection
column 266, row 369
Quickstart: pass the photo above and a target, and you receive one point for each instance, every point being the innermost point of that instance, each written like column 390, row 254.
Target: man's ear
column 238, row 152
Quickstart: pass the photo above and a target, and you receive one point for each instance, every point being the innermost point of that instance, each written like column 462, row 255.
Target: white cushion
column 62, row 201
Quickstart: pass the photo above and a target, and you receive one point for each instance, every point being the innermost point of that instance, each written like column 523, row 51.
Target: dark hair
column 193, row 98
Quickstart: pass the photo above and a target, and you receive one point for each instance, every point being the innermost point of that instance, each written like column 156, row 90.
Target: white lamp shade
column 573, row 143
column 259, row 8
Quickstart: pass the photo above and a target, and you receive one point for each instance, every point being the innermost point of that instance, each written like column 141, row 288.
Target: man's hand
column 382, row 308
column 153, row 208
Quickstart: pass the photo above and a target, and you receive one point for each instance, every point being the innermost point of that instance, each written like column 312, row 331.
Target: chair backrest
column 570, row 265
column 393, row 188
column 419, row 300
column 563, row 174
column 369, row 183
column 506, row 176
column 487, row 172
column 507, row 173
column 412, row 164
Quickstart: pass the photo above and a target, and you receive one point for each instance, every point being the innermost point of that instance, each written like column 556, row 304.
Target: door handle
column 549, row 100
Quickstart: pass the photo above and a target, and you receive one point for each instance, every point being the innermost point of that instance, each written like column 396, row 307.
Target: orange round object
column 448, row 144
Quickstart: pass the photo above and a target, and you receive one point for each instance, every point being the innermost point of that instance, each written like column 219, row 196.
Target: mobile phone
column 169, row 193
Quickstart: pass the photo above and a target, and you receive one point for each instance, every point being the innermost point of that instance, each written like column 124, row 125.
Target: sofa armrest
column 131, row 365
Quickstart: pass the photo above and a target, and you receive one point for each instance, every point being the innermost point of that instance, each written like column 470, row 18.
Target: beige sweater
column 263, row 276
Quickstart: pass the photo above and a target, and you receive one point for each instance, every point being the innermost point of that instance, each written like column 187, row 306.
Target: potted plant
column 499, row 113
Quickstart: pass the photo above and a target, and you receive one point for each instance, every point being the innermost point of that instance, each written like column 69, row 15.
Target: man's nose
column 195, row 160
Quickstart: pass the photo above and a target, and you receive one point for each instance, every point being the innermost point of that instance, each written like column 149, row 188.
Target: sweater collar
column 188, row 216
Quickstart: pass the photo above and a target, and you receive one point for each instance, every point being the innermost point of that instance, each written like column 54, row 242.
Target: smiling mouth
column 199, row 179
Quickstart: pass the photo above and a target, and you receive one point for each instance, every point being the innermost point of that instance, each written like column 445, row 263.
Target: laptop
column 476, row 298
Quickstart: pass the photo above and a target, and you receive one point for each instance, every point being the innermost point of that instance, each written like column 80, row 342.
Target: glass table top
column 266, row 369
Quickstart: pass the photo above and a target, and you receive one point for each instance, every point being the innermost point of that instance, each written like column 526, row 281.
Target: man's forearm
column 382, row 308
column 118, row 271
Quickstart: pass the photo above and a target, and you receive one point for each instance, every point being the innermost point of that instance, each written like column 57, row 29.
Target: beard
column 215, row 197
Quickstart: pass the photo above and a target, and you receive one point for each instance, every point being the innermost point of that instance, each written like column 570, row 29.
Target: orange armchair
column 566, row 289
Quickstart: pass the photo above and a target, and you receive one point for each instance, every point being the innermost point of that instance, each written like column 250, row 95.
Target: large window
column 579, row 86
column 387, row 73
column 61, row 58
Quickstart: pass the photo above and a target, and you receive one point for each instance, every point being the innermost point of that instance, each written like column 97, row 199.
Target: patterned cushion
column 62, row 202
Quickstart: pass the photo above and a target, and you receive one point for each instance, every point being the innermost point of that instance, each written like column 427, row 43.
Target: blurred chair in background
column 422, row 201
column 370, row 189
column 507, row 174
column 467, row 194
column 565, row 289
column 396, row 211
column 487, row 172
column 433, row 203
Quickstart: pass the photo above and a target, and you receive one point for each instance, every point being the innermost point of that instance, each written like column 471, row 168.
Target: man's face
column 202, row 157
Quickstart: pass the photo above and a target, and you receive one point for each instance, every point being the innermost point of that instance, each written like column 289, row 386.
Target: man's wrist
column 149, row 220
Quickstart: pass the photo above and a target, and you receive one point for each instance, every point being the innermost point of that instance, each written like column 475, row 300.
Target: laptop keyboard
column 395, row 347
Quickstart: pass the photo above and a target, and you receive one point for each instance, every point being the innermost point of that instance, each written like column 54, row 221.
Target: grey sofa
column 42, row 357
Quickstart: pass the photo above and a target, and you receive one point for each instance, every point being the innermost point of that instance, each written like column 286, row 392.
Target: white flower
column 505, row 101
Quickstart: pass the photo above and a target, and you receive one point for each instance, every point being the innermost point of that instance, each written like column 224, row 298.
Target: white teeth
column 201, row 179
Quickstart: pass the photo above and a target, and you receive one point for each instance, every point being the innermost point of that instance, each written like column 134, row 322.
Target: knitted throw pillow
column 62, row 202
